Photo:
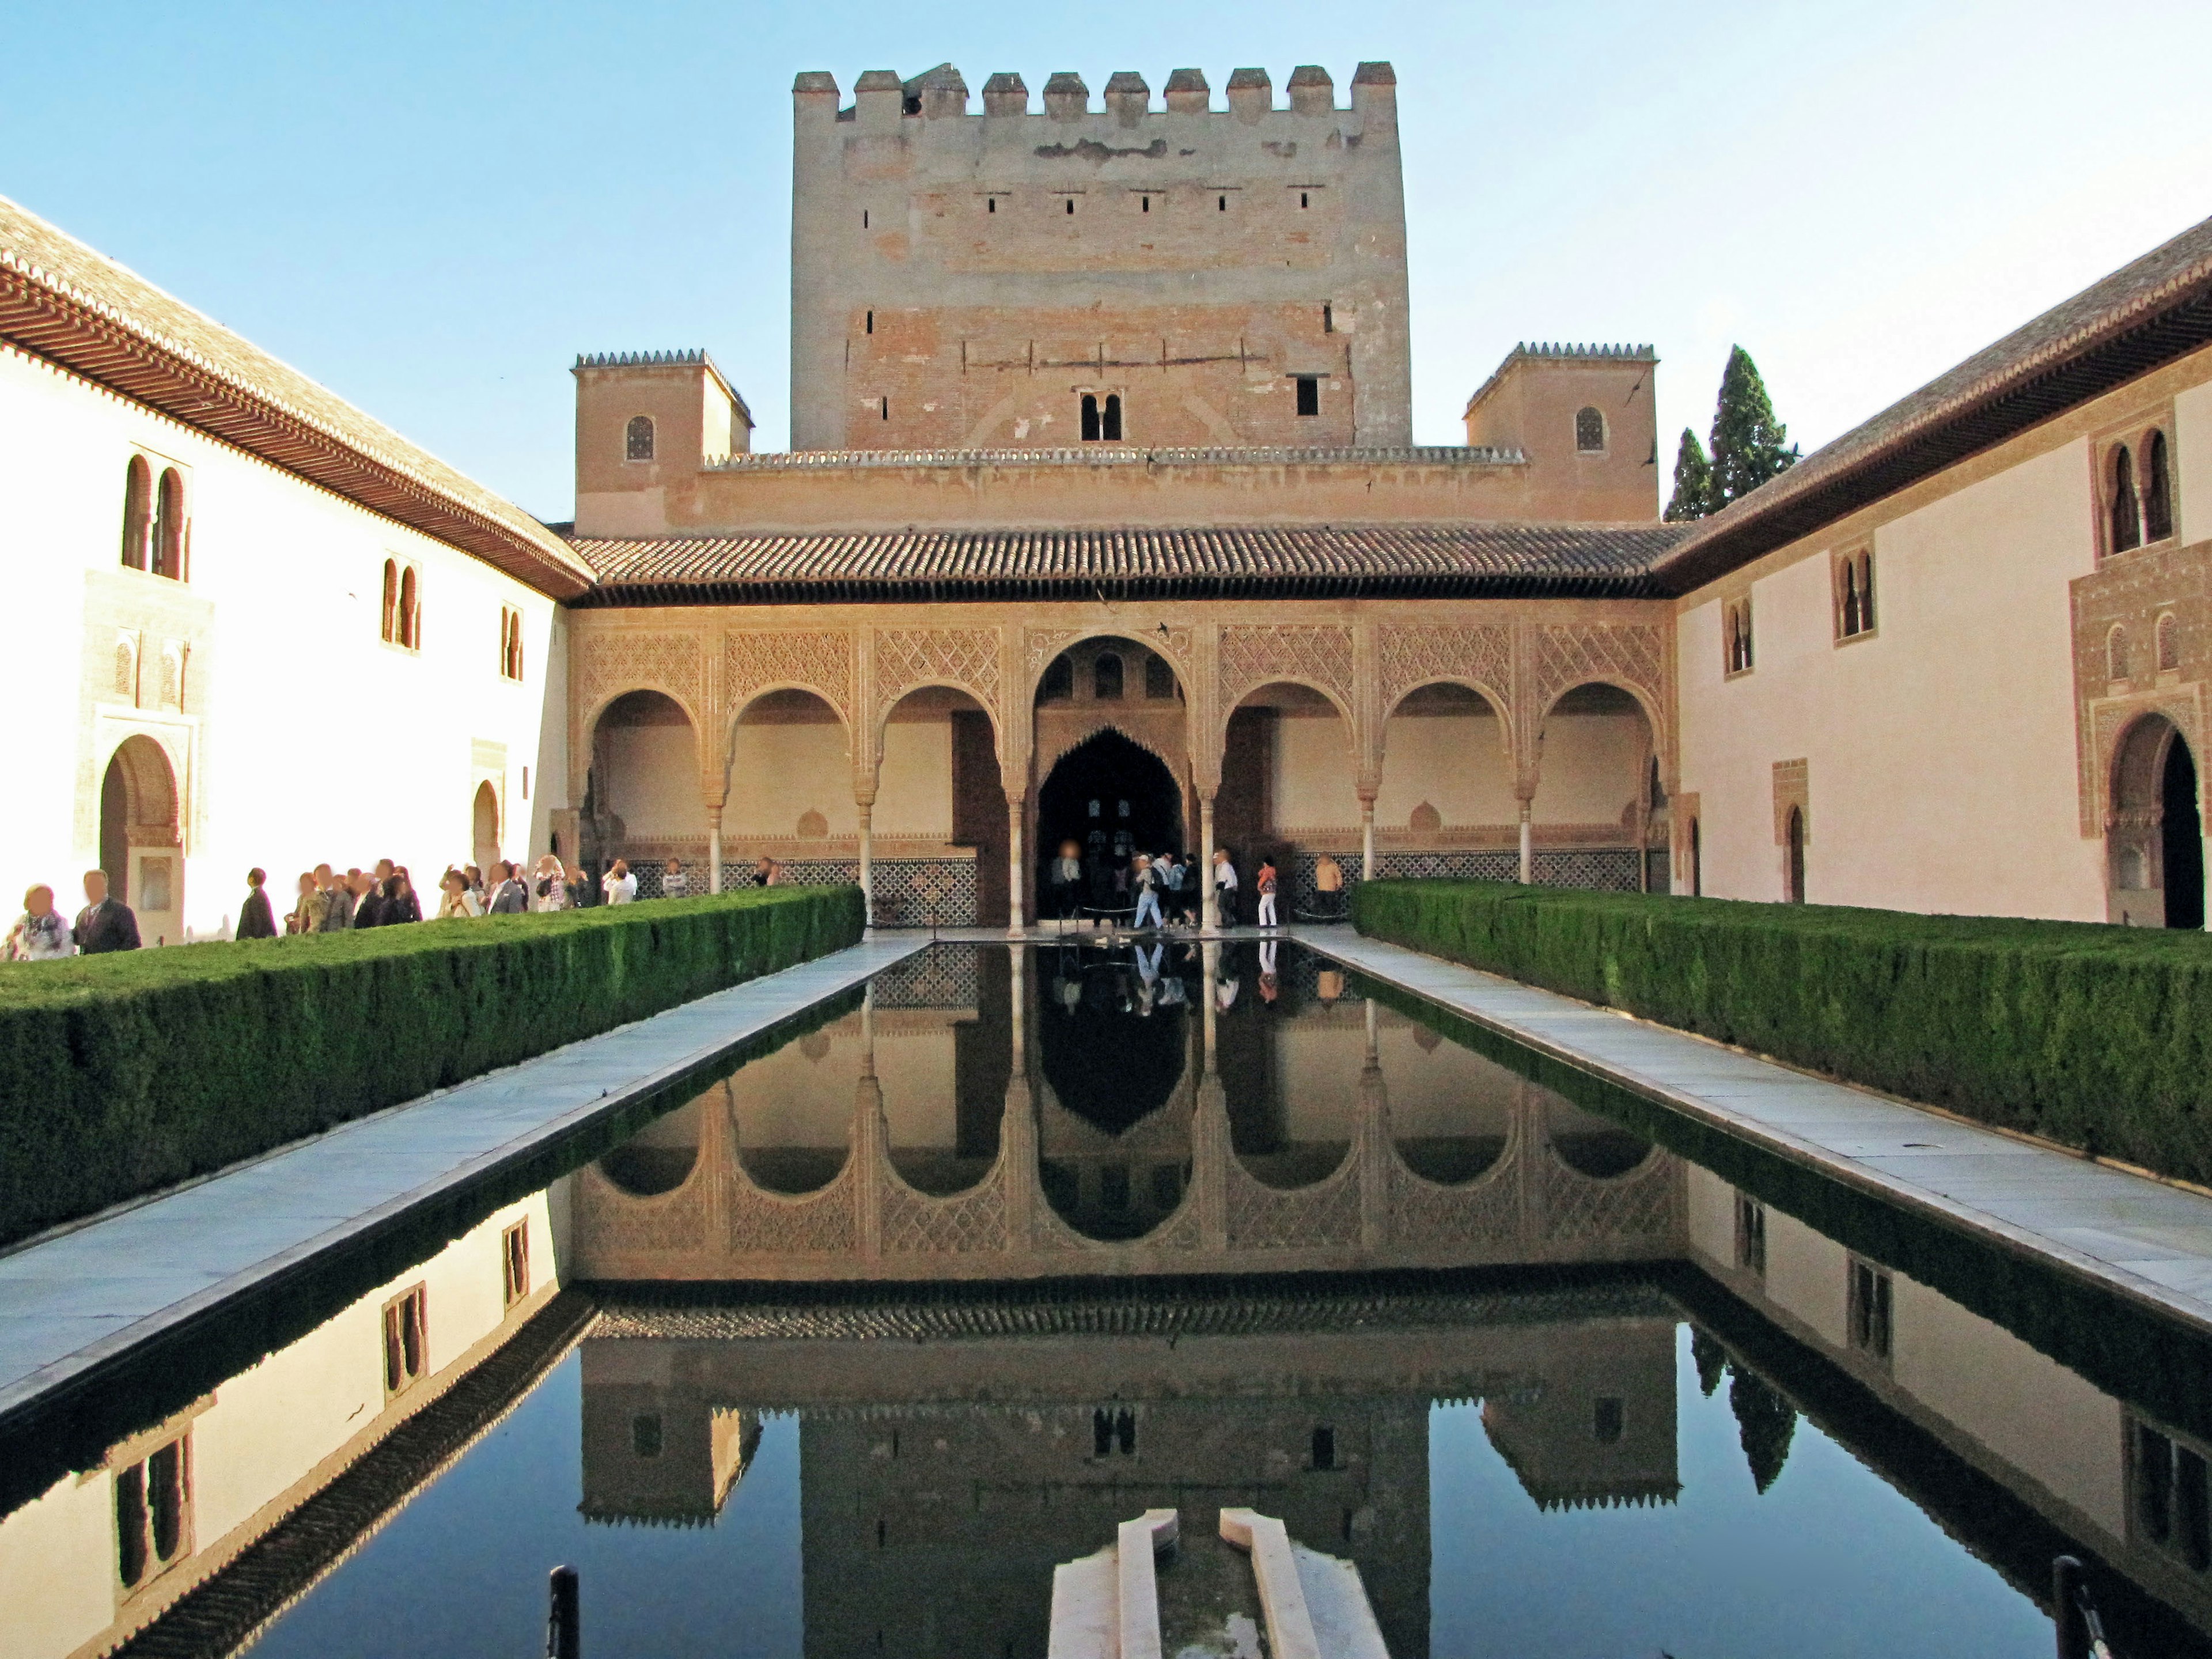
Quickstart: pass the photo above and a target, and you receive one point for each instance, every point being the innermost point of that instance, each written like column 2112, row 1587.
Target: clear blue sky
column 434, row 208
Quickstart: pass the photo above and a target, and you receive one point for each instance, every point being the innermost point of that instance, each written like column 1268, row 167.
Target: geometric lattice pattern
column 943, row 976
column 969, row 1222
column 1319, row 655
column 1308, row 1217
column 908, row 892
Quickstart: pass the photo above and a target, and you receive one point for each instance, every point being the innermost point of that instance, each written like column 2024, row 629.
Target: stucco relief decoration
column 1254, row 655
column 609, row 664
column 1486, row 1211
column 2110, row 723
column 822, row 662
column 1633, row 656
column 1041, row 644
column 1260, row 1217
column 909, row 657
column 915, row 1223
column 822, row 1223
column 1639, row 1205
column 1418, row 656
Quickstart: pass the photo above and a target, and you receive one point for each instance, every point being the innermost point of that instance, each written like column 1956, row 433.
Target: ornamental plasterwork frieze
column 1629, row 655
column 606, row 664
column 2161, row 673
column 821, row 661
column 910, row 657
column 1411, row 657
column 1252, row 655
column 1041, row 644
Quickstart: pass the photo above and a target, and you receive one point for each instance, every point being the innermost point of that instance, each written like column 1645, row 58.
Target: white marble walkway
column 2125, row 1233
column 76, row 1299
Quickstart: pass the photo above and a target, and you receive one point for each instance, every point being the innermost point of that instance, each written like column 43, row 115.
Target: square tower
column 1583, row 416
column 1160, row 278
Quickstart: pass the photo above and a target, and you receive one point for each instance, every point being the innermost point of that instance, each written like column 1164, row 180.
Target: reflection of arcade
column 951, row 1454
column 1060, row 1110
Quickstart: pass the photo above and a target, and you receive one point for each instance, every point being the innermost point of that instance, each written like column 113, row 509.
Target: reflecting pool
column 844, row 1353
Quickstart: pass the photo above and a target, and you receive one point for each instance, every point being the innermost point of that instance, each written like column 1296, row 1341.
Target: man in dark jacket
column 509, row 898
column 105, row 923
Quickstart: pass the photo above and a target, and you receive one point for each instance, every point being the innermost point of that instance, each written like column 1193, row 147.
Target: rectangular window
column 2170, row 1503
column 1751, row 1235
column 1309, row 394
column 515, row 1263
column 1870, row 1310
column 1327, row 318
column 406, row 1341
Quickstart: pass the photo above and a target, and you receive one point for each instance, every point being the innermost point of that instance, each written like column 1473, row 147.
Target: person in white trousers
column 1265, row 881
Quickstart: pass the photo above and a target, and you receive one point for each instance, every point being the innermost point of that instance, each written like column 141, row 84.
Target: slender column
column 713, row 849
column 868, row 858
column 1367, row 838
column 1209, row 913
column 1017, row 912
column 1527, row 849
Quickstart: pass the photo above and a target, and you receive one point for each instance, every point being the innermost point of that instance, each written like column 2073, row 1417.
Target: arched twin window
column 637, row 439
column 155, row 526
column 2138, row 493
column 401, row 624
column 1589, row 431
column 1737, row 636
column 510, row 642
column 1854, row 595
column 1102, row 419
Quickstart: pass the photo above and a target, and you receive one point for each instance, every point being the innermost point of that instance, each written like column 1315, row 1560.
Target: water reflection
column 1648, row 1405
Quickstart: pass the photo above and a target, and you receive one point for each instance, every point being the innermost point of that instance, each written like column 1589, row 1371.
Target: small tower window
column 872, row 322
column 2127, row 515
column 1221, row 204
column 1589, row 431
column 1106, row 678
column 1736, row 633
column 990, row 204
column 2169, row 643
column 864, row 218
column 1327, row 318
column 137, row 511
column 1109, row 422
column 2157, row 490
column 1309, row 394
column 1090, row 424
column 883, row 408
column 1302, row 198
column 637, row 439
column 2115, row 654
column 1070, row 205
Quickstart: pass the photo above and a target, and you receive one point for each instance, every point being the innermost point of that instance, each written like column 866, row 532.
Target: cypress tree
column 1710, row 1357
column 1766, row 1423
column 1749, row 442
column 1693, row 481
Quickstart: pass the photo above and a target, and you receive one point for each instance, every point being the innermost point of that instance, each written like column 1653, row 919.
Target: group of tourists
column 43, row 933
column 1161, row 890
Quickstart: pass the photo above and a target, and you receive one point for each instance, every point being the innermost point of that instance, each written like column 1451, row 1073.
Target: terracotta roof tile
column 1344, row 561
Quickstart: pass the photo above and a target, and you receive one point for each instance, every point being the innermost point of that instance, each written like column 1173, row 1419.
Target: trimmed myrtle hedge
column 2095, row 1036
column 123, row 1073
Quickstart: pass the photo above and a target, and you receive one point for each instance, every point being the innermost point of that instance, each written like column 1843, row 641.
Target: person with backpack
column 1264, row 883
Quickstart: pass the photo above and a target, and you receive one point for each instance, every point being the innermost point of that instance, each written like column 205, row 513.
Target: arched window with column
column 637, row 439
column 2169, row 643
column 1089, row 408
column 2157, row 488
column 137, row 511
column 411, row 609
column 1110, row 423
column 2124, row 507
column 388, row 630
column 2115, row 654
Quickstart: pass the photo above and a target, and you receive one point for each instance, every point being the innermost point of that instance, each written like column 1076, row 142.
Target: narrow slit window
column 1302, row 199
column 1309, row 394
column 2157, row 488
column 990, row 204
column 1143, row 204
column 864, row 218
column 1221, row 204
column 1751, row 1235
column 1324, row 1447
column 883, row 408
column 1871, row 1311
column 168, row 539
column 1109, row 423
column 1328, row 319
column 1070, row 205
column 411, row 609
column 872, row 322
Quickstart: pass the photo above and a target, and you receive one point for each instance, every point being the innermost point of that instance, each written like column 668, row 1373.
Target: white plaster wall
column 1592, row 769
column 1940, row 751
column 1711, row 1212
column 320, row 743
column 1808, row 1275
column 57, row 1568
column 1311, row 773
column 1455, row 763
column 781, row 772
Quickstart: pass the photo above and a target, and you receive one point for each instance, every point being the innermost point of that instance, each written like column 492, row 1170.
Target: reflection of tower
column 656, row 1451
column 1599, row 1428
column 935, row 1530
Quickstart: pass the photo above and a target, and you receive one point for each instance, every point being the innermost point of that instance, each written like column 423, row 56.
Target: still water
column 843, row 1354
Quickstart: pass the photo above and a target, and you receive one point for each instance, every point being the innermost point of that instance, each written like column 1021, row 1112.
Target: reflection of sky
column 461, row 1570
column 1831, row 1561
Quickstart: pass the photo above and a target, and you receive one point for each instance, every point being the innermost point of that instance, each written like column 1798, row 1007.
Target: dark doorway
column 2181, row 831
column 114, row 844
column 1111, row 798
column 1797, row 873
column 979, row 811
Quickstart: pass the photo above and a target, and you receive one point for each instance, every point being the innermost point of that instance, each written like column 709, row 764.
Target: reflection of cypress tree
column 1765, row 1421
column 1710, row 1358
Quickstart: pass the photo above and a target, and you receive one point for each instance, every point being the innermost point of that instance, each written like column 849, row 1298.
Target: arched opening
column 1592, row 816
column 140, row 848
column 1794, row 836
column 792, row 1111
column 1112, row 799
column 411, row 609
column 642, row 799
column 1590, row 1144
column 483, row 826
column 1089, row 409
column 2157, row 490
column 659, row 1158
column 2126, row 513
column 1446, row 806
column 1290, row 1124
column 637, row 439
column 1288, row 793
column 2154, row 843
column 168, row 539
column 789, row 791
column 388, row 628
column 1589, row 431
column 1109, row 424
column 137, row 511
column 939, row 818
column 2181, row 837
column 1451, row 1110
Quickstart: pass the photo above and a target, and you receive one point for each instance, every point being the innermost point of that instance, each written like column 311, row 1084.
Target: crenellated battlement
column 882, row 98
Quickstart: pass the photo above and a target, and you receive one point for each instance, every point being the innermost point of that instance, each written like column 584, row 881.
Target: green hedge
column 123, row 1073
column 2096, row 1036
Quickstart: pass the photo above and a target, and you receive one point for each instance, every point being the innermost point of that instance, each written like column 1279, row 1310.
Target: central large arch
column 1112, row 799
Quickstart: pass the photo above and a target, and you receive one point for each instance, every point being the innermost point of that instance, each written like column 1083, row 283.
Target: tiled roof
column 62, row 301
column 1346, row 561
column 2142, row 315
column 1116, row 455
